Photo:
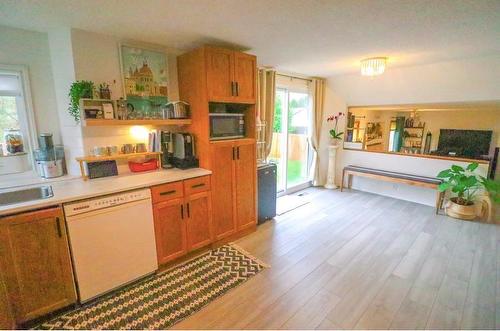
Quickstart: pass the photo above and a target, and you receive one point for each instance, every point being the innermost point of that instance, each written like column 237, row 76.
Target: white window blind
column 10, row 84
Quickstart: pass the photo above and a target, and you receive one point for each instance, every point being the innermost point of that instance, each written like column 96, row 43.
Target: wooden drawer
column 196, row 185
column 166, row 192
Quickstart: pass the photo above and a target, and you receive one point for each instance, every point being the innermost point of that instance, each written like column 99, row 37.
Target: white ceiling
column 312, row 37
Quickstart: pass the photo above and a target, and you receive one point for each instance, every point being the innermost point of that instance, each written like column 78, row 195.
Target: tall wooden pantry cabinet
column 218, row 75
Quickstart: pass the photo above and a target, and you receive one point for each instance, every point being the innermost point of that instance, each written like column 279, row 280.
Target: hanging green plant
column 79, row 89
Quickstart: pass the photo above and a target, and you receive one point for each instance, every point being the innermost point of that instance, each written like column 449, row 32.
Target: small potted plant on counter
column 335, row 135
column 79, row 89
column 467, row 188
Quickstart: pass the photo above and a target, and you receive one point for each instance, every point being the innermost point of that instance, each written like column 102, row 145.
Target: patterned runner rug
column 165, row 299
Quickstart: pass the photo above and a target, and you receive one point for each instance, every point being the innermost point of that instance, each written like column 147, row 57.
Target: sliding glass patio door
column 290, row 148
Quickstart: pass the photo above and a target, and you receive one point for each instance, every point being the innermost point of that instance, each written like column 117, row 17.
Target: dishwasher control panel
column 86, row 206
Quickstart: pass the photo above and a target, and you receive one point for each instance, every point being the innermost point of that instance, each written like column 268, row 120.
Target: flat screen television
column 465, row 143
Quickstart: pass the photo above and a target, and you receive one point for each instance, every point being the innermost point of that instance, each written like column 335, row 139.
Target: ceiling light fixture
column 373, row 66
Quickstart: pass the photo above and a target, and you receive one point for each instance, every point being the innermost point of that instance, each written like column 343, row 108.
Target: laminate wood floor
column 355, row 260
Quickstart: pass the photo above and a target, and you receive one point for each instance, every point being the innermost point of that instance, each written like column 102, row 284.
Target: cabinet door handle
column 182, row 211
column 188, row 210
column 238, row 153
column 233, row 154
column 237, row 89
column 232, row 89
column 198, row 185
column 58, row 224
column 167, row 192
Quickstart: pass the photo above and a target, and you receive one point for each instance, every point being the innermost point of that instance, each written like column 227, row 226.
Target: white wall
column 63, row 70
column 22, row 47
column 97, row 58
column 455, row 81
column 58, row 58
column 462, row 80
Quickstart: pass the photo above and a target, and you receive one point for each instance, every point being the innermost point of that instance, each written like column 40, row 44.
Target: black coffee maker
column 167, row 149
column 184, row 151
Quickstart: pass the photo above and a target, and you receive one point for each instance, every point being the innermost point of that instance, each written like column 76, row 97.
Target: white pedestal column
column 332, row 156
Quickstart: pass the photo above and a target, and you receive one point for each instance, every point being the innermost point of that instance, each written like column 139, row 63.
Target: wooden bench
column 395, row 177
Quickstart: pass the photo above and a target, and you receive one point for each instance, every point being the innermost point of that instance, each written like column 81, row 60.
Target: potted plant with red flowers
column 335, row 135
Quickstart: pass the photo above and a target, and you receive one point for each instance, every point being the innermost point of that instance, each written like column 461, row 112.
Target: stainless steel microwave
column 227, row 126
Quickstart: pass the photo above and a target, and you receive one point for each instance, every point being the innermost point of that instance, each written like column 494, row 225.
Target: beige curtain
column 318, row 95
column 266, row 90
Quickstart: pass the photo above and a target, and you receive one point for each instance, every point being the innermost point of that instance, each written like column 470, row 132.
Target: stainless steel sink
column 24, row 195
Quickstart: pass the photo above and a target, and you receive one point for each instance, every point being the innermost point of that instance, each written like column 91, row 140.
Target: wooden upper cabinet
column 220, row 74
column 245, row 70
column 170, row 229
column 245, row 179
column 35, row 262
column 224, row 223
column 199, row 222
column 231, row 76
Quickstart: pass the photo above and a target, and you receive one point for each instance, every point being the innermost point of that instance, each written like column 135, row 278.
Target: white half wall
column 398, row 163
column 475, row 79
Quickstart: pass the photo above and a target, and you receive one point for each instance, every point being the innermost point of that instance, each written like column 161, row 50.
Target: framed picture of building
column 145, row 77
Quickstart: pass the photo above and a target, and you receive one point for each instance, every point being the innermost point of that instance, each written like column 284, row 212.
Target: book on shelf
column 154, row 138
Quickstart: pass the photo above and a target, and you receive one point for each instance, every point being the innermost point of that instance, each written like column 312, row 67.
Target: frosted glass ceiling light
column 373, row 66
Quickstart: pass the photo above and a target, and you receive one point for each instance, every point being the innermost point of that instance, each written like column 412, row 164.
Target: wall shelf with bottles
column 155, row 122
column 103, row 112
column 412, row 139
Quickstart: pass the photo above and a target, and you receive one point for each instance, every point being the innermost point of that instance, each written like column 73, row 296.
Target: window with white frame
column 17, row 128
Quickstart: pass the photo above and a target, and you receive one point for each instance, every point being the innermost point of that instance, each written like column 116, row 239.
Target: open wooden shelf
column 103, row 122
column 91, row 158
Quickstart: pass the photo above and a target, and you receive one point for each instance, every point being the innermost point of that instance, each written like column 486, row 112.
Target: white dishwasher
column 112, row 241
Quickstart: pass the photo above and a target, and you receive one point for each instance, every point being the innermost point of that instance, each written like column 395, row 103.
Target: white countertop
column 78, row 189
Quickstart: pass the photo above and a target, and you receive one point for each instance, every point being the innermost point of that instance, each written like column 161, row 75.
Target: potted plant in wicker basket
column 465, row 185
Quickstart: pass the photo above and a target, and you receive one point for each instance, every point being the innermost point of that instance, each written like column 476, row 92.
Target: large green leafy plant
column 493, row 188
column 465, row 184
column 79, row 89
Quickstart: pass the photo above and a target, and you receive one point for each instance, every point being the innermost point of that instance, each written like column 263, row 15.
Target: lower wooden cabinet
column 234, row 172
column 6, row 317
column 246, row 179
column 35, row 263
column 170, row 230
column 184, row 222
column 223, row 156
column 198, row 225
